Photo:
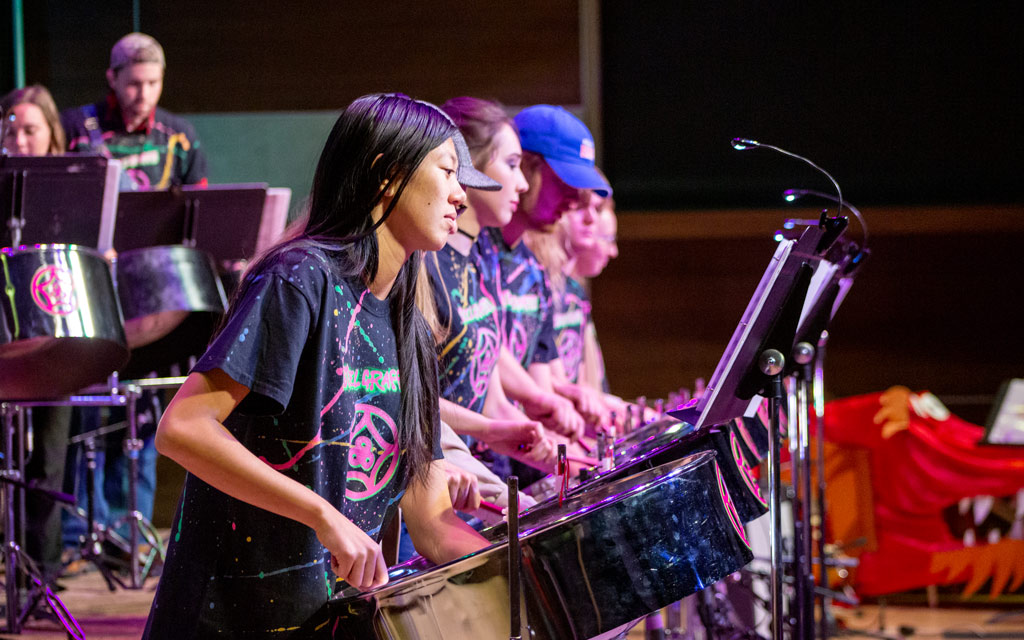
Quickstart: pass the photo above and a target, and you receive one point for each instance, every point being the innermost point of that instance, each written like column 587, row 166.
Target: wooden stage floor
column 119, row 615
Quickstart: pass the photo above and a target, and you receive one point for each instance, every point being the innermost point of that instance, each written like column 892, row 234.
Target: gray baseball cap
column 468, row 175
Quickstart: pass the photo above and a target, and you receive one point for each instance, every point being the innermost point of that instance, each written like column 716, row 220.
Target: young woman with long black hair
column 314, row 412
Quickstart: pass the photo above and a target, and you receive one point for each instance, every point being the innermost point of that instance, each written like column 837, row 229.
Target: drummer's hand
column 516, row 433
column 355, row 557
column 525, row 440
column 559, row 415
column 542, row 455
column 587, row 401
column 110, row 255
column 463, row 488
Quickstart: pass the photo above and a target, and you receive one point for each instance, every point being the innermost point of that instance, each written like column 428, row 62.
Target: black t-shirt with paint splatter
column 571, row 316
column 318, row 355
column 525, row 294
column 468, row 307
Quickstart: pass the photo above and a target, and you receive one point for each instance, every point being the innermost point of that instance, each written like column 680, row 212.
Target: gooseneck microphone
column 745, row 144
column 792, row 195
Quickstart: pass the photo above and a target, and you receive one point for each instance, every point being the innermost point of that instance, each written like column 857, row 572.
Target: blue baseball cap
column 566, row 144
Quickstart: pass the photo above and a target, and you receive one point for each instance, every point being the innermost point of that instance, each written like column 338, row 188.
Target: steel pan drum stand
column 15, row 560
column 118, row 394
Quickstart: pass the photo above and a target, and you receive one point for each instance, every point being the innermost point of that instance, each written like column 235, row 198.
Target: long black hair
column 378, row 140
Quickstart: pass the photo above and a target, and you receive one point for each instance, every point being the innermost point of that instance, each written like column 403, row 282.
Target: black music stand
column 223, row 219
column 754, row 361
column 69, row 199
column 769, row 322
column 832, row 279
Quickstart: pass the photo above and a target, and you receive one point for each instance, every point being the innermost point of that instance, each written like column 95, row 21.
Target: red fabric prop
column 923, row 459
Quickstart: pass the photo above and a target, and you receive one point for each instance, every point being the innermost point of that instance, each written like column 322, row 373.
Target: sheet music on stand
column 68, row 199
column 223, row 220
column 772, row 315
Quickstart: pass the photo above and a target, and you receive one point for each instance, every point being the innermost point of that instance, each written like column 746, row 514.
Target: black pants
column 45, row 470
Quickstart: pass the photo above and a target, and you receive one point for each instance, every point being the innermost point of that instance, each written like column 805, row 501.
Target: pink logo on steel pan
column 53, row 290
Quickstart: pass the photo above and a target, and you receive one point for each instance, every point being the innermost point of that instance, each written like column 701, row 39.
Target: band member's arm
column 588, row 402
column 436, row 531
column 556, row 412
column 592, row 371
column 519, row 437
column 192, row 433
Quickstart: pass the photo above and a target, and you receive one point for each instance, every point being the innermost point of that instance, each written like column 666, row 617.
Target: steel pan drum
column 160, row 286
column 680, row 440
column 61, row 323
column 590, row 566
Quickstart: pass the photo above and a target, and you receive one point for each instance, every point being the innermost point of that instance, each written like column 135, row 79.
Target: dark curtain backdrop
column 903, row 102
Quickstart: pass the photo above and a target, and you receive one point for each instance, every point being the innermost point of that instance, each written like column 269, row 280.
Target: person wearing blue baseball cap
column 558, row 161
column 558, row 164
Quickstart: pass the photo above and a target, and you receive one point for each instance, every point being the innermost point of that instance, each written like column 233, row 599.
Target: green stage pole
column 18, row 29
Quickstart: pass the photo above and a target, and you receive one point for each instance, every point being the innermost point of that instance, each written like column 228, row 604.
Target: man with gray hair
column 156, row 148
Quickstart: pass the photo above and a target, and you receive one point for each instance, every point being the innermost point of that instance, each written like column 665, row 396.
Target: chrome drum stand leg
column 139, row 527
column 15, row 560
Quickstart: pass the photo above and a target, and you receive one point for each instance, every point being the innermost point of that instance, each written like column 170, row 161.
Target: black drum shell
column 599, row 561
column 62, row 324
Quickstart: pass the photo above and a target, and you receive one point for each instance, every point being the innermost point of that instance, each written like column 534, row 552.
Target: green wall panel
column 279, row 148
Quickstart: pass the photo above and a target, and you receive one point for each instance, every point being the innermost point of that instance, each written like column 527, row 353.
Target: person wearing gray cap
column 156, row 148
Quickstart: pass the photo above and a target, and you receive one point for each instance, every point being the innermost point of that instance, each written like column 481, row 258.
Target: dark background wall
column 913, row 107
column 236, row 55
column 903, row 102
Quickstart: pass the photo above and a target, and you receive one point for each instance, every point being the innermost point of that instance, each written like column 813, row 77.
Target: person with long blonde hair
column 31, row 127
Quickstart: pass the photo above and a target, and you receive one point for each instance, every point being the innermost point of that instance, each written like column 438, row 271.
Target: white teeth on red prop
column 982, row 507
column 993, row 536
column 964, row 506
column 969, row 538
column 1020, row 505
column 1016, row 530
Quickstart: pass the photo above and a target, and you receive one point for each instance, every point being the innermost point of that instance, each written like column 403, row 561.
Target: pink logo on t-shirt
column 485, row 356
column 372, row 458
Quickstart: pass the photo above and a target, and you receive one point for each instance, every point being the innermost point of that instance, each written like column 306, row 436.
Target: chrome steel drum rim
column 62, row 327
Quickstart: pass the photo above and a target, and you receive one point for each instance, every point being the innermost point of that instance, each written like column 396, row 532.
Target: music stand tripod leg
column 96, row 534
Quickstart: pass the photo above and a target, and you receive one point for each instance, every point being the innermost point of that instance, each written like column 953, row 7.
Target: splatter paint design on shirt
column 571, row 316
column 525, row 294
column 317, row 352
column 468, row 307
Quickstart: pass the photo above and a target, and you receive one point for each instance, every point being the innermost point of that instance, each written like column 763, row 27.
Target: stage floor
column 121, row 614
